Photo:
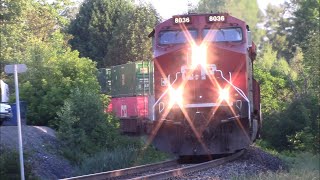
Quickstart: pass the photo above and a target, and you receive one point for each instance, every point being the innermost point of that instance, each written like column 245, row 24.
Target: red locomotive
column 205, row 99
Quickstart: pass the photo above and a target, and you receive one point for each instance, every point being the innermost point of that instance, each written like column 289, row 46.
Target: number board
column 216, row 18
column 182, row 20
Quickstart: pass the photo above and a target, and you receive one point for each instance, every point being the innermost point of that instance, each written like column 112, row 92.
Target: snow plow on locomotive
column 204, row 100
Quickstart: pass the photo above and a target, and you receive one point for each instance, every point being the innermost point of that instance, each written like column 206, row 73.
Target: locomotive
column 205, row 99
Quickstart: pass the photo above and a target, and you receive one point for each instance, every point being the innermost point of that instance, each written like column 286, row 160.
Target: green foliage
column 127, row 156
column 113, row 32
column 304, row 140
column 277, row 27
column 268, row 71
column 108, row 160
column 301, row 166
column 305, row 21
column 10, row 167
column 289, row 102
column 83, row 126
column 207, row 6
column 311, row 64
column 295, row 128
column 24, row 21
column 131, row 36
column 31, row 34
column 53, row 71
column 246, row 10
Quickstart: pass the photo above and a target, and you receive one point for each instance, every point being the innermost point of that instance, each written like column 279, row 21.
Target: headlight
column 175, row 96
column 199, row 56
column 224, row 94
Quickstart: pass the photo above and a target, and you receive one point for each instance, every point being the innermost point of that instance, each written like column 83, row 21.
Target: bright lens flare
column 175, row 96
column 199, row 56
column 224, row 94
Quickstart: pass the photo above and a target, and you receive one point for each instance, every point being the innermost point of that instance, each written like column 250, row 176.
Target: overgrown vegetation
column 113, row 32
column 62, row 91
column 120, row 158
column 300, row 166
column 288, row 72
column 91, row 137
column 10, row 167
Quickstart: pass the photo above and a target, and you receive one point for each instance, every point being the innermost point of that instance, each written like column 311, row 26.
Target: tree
column 53, row 71
column 24, row 21
column 246, row 10
column 31, row 34
column 277, row 27
column 130, row 40
column 83, row 126
column 311, row 63
column 306, row 21
column 272, row 74
column 113, row 32
column 209, row 6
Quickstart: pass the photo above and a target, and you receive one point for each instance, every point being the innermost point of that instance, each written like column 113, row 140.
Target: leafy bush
column 83, row 126
column 85, row 129
column 10, row 167
column 53, row 71
column 295, row 128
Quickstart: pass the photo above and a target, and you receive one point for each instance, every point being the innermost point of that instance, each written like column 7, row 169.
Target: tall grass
column 10, row 167
column 119, row 158
column 301, row 166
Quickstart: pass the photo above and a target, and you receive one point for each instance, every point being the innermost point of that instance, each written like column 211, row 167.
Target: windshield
column 222, row 35
column 176, row 37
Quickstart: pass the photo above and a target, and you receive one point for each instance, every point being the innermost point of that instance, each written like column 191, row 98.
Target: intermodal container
column 104, row 79
column 129, row 107
column 132, row 79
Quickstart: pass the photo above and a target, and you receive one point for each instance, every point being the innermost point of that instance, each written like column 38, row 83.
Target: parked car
column 5, row 112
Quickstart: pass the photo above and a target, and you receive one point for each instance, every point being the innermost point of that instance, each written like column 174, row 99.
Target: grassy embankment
column 122, row 157
column 10, row 167
column 301, row 165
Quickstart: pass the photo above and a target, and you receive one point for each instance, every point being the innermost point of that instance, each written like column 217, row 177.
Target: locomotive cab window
column 223, row 35
column 176, row 36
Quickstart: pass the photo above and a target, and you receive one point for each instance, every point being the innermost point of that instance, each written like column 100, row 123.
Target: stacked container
column 132, row 91
column 104, row 79
column 132, row 79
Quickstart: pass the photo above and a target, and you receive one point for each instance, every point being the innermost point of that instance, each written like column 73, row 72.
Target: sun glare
column 199, row 56
column 176, row 96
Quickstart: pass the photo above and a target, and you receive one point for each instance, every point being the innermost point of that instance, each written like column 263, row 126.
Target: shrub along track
column 162, row 170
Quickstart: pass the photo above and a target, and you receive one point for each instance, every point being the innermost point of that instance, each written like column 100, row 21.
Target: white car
column 5, row 112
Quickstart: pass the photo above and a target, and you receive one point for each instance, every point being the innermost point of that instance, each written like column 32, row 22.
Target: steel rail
column 190, row 169
column 124, row 172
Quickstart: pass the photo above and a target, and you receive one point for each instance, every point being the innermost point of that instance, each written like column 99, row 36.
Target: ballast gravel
column 41, row 149
column 253, row 162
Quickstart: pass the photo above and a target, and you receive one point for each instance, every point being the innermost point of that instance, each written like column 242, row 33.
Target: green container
column 104, row 79
column 132, row 79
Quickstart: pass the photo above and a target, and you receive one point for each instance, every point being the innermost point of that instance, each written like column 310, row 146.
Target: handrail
column 163, row 94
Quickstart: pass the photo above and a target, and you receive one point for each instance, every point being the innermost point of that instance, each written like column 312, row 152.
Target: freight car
column 205, row 99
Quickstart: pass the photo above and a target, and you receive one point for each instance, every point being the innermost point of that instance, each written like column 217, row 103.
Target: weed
column 10, row 167
column 119, row 158
column 301, row 165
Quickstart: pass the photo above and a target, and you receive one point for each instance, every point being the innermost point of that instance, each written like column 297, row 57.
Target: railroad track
column 162, row 170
